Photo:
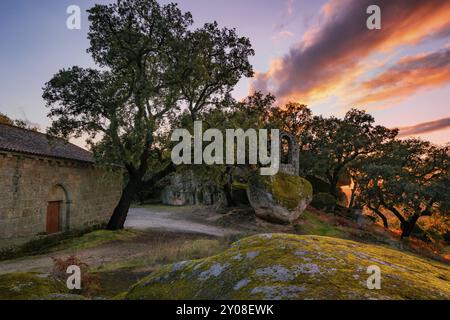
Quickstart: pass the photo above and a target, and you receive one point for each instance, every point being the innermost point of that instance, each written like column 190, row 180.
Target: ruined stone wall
column 88, row 194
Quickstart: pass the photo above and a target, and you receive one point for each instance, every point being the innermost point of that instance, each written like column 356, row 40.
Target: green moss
column 42, row 244
column 283, row 266
column 239, row 186
column 311, row 224
column 28, row 286
column 193, row 249
column 287, row 190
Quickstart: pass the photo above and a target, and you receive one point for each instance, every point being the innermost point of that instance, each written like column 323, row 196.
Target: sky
column 319, row 52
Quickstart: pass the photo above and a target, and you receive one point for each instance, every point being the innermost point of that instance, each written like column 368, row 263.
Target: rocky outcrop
column 184, row 188
column 282, row 266
column 29, row 286
column 280, row 198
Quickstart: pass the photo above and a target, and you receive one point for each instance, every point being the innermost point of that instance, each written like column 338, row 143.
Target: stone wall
column 87, row 193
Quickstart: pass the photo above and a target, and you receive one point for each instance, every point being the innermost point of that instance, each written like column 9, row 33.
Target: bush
column 90, row 284
column 446, row 237
column 43, row 243
column 239, row 193
column 319, row 186
column 324, row 201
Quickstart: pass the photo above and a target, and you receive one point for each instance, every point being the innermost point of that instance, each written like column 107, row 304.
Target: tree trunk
column 227, row 186
column 408, row 227
column 383, row 218
column 117, row 220
column 333, row 186
column 228, row 195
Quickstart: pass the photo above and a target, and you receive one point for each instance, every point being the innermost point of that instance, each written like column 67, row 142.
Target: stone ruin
column 185, row 188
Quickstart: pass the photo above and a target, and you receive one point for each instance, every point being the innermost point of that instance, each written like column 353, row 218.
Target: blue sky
column 35, row 44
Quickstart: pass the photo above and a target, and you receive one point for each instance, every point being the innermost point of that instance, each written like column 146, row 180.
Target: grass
column 168, row 252
column 96, row 238
column 118, row 277
column 76, row 240
column 311, row 224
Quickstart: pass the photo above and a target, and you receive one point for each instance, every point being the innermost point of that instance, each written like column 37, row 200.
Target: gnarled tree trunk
column 117, row 220
column 408, row 226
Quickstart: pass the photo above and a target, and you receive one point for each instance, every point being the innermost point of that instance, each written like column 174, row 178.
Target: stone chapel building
column 48, row 185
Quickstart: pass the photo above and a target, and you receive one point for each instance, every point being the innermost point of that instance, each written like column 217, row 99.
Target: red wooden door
column 53, row 211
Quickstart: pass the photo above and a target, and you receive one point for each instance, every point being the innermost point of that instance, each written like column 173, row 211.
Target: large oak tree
column 152, row 64
column 410, row 179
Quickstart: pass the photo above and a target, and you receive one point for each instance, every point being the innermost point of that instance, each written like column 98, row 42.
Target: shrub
column 90, row 284
column 324, row 201
column 318, row 184
column 239, row 193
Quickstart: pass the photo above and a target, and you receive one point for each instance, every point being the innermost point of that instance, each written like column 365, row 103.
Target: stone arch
column 59, row 193
column 285, row 149
column 289, row 154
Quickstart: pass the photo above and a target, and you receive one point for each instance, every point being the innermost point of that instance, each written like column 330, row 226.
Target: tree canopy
column 152, row 65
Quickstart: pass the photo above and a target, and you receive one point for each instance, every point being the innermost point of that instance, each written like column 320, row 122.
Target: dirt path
column 157, row 225
column 185, row 220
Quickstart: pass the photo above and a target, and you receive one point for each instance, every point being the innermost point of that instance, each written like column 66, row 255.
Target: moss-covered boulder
column 280, row 198
column 29, row 286
column 282, row 266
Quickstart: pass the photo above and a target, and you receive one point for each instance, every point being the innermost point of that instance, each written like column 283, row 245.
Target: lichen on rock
column 29, row 286
column 280, row 198
column 333, row 269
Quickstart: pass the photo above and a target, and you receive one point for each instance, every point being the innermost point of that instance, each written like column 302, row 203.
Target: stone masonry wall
column 88, row 194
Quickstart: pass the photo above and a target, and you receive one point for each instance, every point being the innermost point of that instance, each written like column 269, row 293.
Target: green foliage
column 312, row 225
column 239, row 193
column 324, row 201
column 4, row 119
column 410, row 178
column 74, row 239
column 331, row 145
column 152, row 64
column 319, row 186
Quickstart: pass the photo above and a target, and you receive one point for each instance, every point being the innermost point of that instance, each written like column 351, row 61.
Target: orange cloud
column 425, row 127
column 411, row 74
column 332, row 55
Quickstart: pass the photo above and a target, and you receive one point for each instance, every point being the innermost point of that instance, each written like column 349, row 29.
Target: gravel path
column 161, row 219
column 156, row 222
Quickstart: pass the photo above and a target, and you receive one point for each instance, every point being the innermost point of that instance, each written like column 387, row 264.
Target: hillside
column 282, row 266
column 320, row 256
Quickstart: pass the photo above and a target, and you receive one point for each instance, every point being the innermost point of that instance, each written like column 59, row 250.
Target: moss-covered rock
column 280, row 198
column 29, row 286
column 282, row 266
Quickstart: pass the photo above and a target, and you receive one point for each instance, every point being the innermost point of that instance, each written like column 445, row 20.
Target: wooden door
column 53, row 212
